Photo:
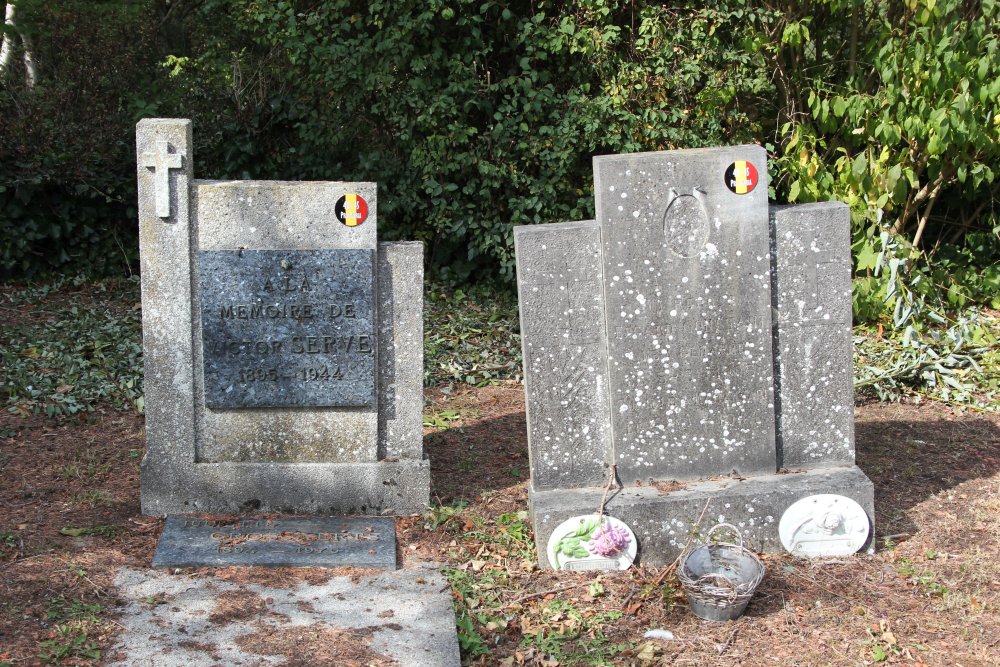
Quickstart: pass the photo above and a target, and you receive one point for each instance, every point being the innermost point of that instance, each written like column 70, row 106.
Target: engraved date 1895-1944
column 320, row 374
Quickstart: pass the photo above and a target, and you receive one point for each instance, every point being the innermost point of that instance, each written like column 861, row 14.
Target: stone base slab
column 663, row 520
column 376, row 488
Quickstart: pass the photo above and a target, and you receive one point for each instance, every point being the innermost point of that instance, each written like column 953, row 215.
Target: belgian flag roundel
column 741, row 177
column 351, row 209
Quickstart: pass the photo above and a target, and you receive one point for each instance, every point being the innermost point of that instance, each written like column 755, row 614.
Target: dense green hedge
column 476, row 116
column 65, row 153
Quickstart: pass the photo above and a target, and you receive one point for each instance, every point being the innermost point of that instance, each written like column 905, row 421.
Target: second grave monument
column 688, row 355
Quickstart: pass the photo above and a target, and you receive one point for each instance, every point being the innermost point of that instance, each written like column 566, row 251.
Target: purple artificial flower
column 608, row 541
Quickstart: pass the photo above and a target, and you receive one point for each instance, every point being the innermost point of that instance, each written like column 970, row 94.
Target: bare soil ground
column 929, row 595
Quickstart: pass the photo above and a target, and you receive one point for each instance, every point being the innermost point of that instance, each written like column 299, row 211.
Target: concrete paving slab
column 403, row 617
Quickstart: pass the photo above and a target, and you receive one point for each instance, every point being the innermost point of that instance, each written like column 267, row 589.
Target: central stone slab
column 288, row 328
column 278, row 542
column 688, row 299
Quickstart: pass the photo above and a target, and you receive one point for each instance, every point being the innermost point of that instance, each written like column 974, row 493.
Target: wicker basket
column 719, row 578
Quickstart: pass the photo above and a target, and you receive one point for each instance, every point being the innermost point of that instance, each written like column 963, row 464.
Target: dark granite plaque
column 278, row 542
column 288, row 328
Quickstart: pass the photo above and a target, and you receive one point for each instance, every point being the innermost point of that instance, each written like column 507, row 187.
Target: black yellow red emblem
column 351, row 209
column 741, row 177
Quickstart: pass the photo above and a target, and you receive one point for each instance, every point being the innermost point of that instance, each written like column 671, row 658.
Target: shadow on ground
column 912, row 452
column 489, row 454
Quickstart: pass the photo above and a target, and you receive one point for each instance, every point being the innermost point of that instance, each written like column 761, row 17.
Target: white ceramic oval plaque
column 591, row 542
column 824, row 525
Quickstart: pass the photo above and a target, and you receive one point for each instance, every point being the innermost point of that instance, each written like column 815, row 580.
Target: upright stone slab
column 565, row 353
column 687, row 288
column 811, row 245
column 648, row 337
column 282, row 343
column 400, row 268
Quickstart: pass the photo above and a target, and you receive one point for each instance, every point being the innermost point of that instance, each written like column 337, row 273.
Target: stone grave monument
column 283, row 346
column 697, row 345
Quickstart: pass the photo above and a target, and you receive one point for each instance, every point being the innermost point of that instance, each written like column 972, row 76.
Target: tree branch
column 931, row 200
column 852, row 59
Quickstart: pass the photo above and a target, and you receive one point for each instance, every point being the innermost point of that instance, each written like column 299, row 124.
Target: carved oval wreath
column 685, row 226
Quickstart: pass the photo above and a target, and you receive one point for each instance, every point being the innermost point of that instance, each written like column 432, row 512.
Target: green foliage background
column 475, row 116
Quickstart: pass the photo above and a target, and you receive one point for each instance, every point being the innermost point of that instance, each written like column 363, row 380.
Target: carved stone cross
column 816, row 274
column 162, row 161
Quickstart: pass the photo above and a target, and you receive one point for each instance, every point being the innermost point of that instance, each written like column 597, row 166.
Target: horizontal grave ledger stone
column 277, row 541
column 282, row 343
column 692, row 341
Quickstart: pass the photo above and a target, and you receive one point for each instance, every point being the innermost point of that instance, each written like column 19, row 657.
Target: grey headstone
column 811, row 245
column 278, row 542
column 687, row 291
column 288, row 448
column 288, row 328
column 669, row 369
column 565, row 353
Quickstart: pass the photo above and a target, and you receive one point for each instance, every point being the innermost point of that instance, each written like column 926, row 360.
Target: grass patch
column 924, row 580
column 570, row 635
column 93, row 498
column 492, row 562
column 107, row 532
column 74, row 346
column 74, row 635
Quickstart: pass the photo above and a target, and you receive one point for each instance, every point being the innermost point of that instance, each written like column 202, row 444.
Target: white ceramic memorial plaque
column 592, row 542
column 824, row 525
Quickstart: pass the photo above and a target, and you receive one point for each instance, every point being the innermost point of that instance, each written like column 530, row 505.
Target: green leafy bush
column 907, row 133
column 67, row 148
column 476, row 116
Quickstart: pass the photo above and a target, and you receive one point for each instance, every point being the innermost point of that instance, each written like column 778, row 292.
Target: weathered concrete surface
column 811, row 291
column 167, row 307
column 687, row 293
column 565, row 353
column 662, row 521
column 407, row 614
column 280, row 214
